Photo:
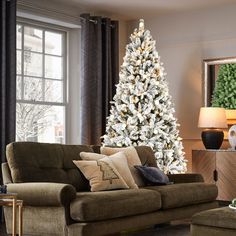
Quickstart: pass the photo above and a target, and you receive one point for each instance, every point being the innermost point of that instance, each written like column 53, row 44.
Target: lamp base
column 212, row 139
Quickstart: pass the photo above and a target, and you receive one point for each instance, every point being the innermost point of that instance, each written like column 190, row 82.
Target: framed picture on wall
column 210, row 75
column 223, row 69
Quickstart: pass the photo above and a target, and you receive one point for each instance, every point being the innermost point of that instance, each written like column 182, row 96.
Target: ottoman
column 215, row 222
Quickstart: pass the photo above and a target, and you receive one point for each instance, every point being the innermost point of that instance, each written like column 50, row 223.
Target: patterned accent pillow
column 153, row 175
column 119, row 160
column 132, row 158
column 102, row 174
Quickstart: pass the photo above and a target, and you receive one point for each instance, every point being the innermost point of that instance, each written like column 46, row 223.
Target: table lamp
column 212, row 120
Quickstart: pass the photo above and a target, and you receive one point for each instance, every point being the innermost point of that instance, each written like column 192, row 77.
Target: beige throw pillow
column 120, row 162
column 102, row 174
column 132, row 158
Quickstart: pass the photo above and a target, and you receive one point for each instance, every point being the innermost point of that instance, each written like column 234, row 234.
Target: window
column 41, row 84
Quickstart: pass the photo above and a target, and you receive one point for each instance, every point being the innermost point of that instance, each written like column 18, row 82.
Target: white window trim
column 73, row 108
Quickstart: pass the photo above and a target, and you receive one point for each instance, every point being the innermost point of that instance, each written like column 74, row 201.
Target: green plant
column 224, row 94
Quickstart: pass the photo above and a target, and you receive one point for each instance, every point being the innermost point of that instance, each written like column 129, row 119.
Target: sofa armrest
column 43, row 194
column 185, row 178
column 6, row 173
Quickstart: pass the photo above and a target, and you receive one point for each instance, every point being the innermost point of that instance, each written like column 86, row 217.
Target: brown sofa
column 57, row 200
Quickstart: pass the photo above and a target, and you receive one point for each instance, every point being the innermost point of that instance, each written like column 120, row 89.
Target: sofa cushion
column 179, row 195
column 119, row 160
column 43, row 162
column 132, row 158
column 153, row 175
column 102, row 174
column 96, row 206
column 145, row 153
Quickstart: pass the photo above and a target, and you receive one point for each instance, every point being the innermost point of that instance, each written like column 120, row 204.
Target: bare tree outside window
column 40, row 108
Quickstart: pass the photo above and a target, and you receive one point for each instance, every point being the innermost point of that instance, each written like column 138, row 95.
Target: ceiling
column 133, row 9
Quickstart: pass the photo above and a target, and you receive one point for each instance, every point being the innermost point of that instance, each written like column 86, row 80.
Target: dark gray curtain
column 8, row 74
column 8, row 77
column 99, row 74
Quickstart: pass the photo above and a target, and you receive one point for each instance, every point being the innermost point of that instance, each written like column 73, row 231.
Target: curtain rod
column 94, row 21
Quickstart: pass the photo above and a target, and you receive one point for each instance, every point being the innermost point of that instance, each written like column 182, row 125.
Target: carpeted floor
column 176, row 228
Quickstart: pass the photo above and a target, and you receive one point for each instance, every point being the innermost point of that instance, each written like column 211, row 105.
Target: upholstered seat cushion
column 94, row 206
column 219, row 217
column 179, row 195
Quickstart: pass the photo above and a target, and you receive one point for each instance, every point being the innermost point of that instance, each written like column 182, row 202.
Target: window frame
column 65, row 34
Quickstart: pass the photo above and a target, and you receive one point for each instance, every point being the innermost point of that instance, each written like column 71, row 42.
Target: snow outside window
column 41, row 84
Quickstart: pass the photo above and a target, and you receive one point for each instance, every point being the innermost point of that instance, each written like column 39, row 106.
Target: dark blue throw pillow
column 153, row 175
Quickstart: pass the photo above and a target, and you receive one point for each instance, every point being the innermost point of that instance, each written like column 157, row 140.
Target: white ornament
column 232, row 136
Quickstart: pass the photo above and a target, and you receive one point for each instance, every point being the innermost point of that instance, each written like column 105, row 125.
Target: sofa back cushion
column 145, row 154
column 42, row 162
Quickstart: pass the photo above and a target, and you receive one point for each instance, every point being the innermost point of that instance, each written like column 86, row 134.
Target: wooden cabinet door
column 204, row 162
column 226, row 170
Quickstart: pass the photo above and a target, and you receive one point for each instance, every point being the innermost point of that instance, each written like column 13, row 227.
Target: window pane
column 53, row 43
column 40, row 123
column 19, row 36
column 33, row 39
column 53, row 67
column 18, row 62
column 33, row 89
column 53, row 91
column 40, row 84
column 32, row 64
column 18, row 87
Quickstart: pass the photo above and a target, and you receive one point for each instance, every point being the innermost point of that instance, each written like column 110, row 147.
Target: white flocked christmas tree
column 141, row 111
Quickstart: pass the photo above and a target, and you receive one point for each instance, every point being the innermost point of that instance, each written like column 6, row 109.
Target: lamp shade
column 212, row 117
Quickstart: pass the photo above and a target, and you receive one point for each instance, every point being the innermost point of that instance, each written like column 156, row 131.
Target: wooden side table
column 217, row 167
column 10, row 199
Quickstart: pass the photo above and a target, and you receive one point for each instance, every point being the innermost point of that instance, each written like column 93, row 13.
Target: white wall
column 183, row 41
column 122, row 39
